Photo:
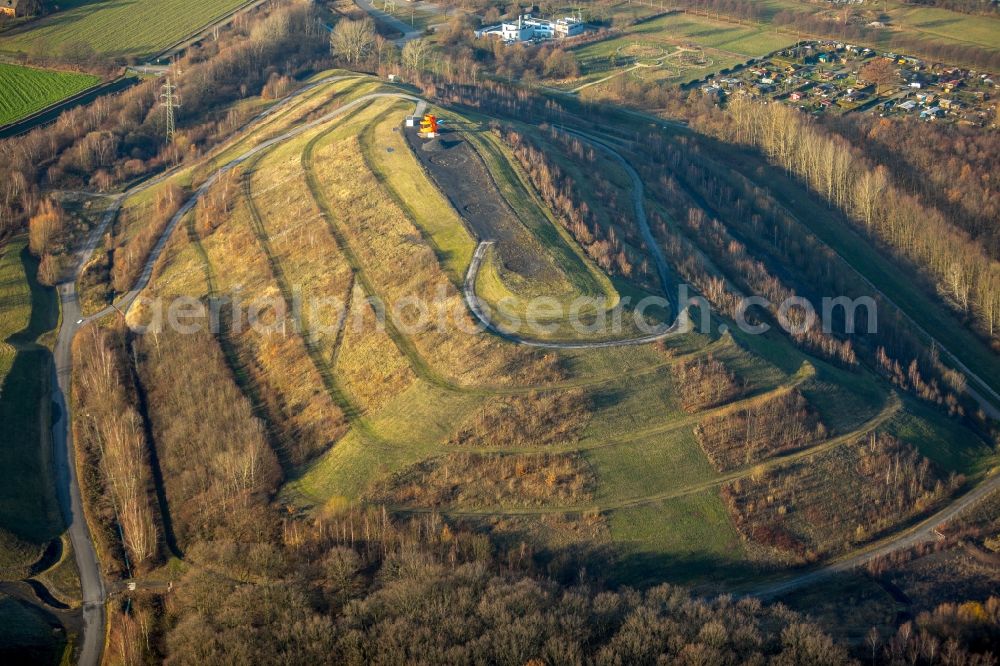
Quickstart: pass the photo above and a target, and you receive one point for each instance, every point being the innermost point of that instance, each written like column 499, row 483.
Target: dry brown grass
column 369, row 365
column 741, row 438
column 300, row 242
column 482, row 480
column 533, row 419
column 402, row 265
column 286, row 383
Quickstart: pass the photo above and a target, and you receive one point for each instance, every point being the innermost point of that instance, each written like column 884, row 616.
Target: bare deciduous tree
column 881, row 72
column 415, row 53
column 352, row 40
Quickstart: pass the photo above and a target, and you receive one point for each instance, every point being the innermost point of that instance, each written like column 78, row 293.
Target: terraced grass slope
column 25, row 90
column 628, row 453
column 116, row 28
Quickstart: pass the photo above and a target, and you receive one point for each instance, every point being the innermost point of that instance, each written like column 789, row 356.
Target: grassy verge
column 687, row 539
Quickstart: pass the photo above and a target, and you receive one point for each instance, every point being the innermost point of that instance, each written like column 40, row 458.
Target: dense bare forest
column 959, row 267
column 707, row 382
column 216, row 476
column 115, row 450
column 483, row 479
column 793, row 515
column 950, row 167
column 359, row 588
column 535, row 419
column 759, row 431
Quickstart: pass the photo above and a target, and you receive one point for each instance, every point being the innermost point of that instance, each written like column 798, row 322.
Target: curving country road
column 922, row 532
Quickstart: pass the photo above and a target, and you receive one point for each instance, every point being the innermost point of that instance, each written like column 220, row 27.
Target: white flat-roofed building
column 528, row 28
column 569, row 26
column 516, row 32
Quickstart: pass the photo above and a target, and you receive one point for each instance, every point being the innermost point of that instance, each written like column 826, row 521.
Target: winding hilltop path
column 681, row 323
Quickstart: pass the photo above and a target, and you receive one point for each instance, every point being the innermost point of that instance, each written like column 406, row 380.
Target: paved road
column 64, row 461
column 377, row 14
column 679, row 326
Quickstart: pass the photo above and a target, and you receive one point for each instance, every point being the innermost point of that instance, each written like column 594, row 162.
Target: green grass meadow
column 722, row 43
column 117, row 28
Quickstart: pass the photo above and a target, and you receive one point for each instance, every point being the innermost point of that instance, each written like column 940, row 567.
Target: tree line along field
column 25, row 90
column 606, row 450
column 116, row 28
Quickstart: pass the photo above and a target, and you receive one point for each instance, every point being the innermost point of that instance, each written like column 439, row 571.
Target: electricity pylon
column 170, row 101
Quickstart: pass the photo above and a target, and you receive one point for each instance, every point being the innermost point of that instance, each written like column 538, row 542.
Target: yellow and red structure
column 428, row 126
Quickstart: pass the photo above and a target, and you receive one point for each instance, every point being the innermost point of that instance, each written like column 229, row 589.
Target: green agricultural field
column 944, row 25
column 722, row 35
column 931, row 23
column 116, row 28
column 691, row 30
column 25, row 90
